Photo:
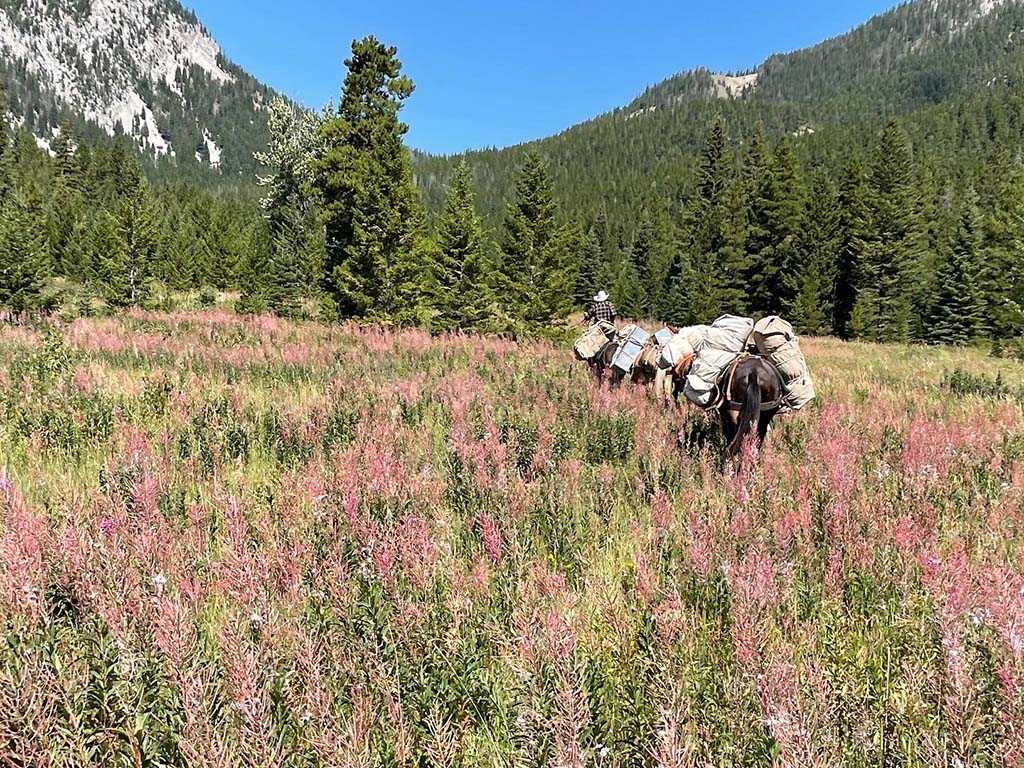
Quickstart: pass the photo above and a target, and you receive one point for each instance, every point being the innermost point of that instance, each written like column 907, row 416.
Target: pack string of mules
column 748, row 372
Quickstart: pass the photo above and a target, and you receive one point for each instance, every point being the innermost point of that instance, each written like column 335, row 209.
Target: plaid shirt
column 601, row 311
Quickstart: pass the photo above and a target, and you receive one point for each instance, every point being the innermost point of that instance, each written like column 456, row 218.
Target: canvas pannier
column 593, row 341
column 695, row 334
column 629, row 350
column 724, row 342
column 682, row 344
column 663, row 337
column 649, row 357
column 624, row 333
column 776, row 340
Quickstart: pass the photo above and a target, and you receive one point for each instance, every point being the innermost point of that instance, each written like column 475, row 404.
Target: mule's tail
column 750, row 416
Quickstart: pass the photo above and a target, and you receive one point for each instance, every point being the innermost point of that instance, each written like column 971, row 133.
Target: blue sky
column 494, row 74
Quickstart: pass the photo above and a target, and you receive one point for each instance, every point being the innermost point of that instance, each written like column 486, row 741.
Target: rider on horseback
column 601, row 311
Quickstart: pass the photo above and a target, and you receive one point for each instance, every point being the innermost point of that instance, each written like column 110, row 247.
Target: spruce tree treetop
column 531, row 218
column 374, row 88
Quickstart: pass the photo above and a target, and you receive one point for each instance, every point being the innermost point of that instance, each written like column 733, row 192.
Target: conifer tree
column 110, row 258
column 137, row 232
column 593, row 270
column 756, row 165
column 295, row 258
column 66, row 157
column 850, row 246
column 939, row 220
column 682, row 293
column 464, row 297
column 6, row 147
column 696, row 279
column 628, row 291
column 610, row 252
column 957, row 315
column 774, row 218
column 734, row 258
column 812, row 276
column 1001, row 268
column 378, row 260
column 477, row 309
column 892, row 254
column 535, row 272
column 24, row 255
column 66, row 211
column 651, row 256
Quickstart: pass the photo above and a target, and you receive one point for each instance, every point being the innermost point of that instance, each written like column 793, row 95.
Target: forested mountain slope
column 144, row 69
column 870, row 187
column 959, row 53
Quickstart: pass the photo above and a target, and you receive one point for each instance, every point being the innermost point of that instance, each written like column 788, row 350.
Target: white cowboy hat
column 602, row 296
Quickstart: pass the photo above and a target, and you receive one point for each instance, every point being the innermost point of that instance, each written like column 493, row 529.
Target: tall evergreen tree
column 24, row 253
column 892, row 274
column 535, row 272
column 1001, row 266
column 734, row 258
column 695, row 292
column 628, row 291
column 851, row 239
column 378, row 263
column 464, row 299
column 957, row 316
column 775, row 207
column 610, row 251
column 6, row 148
column 593, row 270
column 938, row 213
column 810, row 280
column 66, row 157
column 110, row 259
column 137, row 232
column 651, row 256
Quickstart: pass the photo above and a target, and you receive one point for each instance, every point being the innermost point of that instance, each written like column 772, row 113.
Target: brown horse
column 752, row 396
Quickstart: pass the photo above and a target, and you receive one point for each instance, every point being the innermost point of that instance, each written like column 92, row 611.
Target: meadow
column 245, row 542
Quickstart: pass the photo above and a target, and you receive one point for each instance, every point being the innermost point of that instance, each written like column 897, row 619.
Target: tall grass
column 244, row 542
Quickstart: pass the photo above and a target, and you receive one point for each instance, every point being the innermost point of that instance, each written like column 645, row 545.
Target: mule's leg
column 764, row 425
column 730, row 425
column 663, row 387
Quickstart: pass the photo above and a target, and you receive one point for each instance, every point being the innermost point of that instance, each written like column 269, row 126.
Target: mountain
column 917, row 58
column 919, row 52
column 143, row 69
column 149, row 71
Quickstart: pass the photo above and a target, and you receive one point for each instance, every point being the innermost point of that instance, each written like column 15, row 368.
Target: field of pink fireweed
column 245, row 542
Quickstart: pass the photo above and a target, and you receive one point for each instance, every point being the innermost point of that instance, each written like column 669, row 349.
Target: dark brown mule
column 602, row 363
column 751, row 396
column 645, row 369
